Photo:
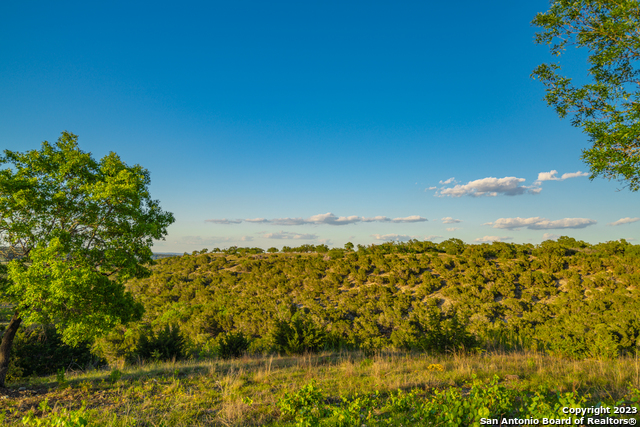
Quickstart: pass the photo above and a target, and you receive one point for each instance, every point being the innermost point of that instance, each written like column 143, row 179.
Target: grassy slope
column 245, row 392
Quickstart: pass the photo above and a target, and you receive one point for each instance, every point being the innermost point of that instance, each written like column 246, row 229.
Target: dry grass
column 245, row 392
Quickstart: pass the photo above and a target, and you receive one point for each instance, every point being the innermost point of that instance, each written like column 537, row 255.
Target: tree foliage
column 607, row 108
column 75, row 229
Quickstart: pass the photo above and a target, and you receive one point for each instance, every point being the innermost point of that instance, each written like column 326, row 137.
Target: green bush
column 299, row 335
column 166, row 344
column 433, row 331
column 118, row 346
column 39, row 350
column 232, row 344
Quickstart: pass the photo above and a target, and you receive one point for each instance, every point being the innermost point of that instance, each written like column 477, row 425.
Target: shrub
column 166, row 344
column 452, row 246
column 118, row 346
column 40, row 351
column 435, row 331
column 232, row 344
column 299, row 335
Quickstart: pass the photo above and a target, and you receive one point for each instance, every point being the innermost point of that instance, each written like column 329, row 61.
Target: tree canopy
column 607, row 108
column 74, row 230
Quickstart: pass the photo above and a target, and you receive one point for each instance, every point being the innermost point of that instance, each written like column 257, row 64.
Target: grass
column 246, row 391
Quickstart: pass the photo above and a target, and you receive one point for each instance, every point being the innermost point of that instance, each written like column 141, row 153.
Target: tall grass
column 247, row 391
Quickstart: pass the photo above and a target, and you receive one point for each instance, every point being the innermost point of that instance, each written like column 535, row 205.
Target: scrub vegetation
column 391, row 334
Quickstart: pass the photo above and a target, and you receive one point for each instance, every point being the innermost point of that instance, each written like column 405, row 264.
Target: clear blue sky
column 290, row 111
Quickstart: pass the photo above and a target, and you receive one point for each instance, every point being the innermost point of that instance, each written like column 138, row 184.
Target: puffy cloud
column 376, row 219
column 430, row 188
column 287, row 235
column 432, row 237
column 331, row 219
column 549, row 236
column 489, row 239
column 626, row 220
column 449, row 181
column 537, row 223
column 490, row 187
column 512, row 223
column 552, row 176
column 548, row 176
column 246, row 238
column 453, row 228
column 449, row 220
column 224, row 221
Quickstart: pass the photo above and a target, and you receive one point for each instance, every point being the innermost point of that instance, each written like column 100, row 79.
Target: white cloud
column 548, row 176
column 287, row 235
column 449, row 220
column 256, row 220
column 490, row 187
column 412, row 218
column 626, row 220
column 552, row 176
column 534, row 190
column 287, row 221
column 562, row 223
column 431, row 238
column 321, row 219
column 430, row 188
column 331, row 219
column 573, row 175
column 449, row 181
column 453, row 228
column 537, row 223
column 392, row 237
column 224, row 221
column 488, row 239
column 376, row 219
column 549, row 236
column 514, row 223
column 246, row 238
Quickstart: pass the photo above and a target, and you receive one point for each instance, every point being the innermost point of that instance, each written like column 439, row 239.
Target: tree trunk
column 5, row 346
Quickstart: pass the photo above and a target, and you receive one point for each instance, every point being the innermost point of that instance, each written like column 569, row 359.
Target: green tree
column 77, row 229
column 607, row 108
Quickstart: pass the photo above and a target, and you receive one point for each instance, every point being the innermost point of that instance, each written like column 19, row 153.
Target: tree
column 77, row 229
column 608, row 107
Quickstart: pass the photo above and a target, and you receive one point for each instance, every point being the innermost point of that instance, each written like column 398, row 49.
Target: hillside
column 564, row 297
column 404, row 333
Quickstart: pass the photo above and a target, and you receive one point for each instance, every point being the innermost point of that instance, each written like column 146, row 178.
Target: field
column 348, row 388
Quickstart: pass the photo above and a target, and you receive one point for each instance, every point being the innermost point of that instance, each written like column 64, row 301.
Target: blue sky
column 323, row 122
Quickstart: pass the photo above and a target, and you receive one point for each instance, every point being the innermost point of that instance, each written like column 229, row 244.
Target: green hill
column 565, row 297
